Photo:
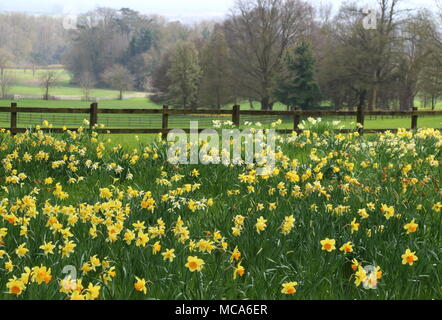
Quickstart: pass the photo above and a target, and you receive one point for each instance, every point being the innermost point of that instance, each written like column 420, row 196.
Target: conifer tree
column 184, row 75
column 297, row 87
column 216, row 85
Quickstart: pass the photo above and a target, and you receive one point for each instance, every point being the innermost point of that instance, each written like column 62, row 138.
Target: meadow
column 339, row 217
column 27, row 84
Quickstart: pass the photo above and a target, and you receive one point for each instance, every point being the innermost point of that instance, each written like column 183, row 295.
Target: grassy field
column 340, row 217
column 28, row 84
column 66, row 91
column 27, row 76
column 420, row 105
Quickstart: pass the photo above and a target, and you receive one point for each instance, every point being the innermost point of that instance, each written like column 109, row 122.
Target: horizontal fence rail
column 24, row 114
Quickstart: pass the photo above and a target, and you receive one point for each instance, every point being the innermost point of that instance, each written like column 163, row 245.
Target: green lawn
column 27, row 76
column 419, row 104
column 66, row 91
column 133, row 103
column 27, row 83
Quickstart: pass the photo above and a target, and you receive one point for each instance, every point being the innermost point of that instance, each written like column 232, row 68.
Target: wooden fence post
column 296, row 120
column 360, row 119
column 13, row 117
column 165, row 121
column 414, row 120
column 93, row 120
column 236, row 115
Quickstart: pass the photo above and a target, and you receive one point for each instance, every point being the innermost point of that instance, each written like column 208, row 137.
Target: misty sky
column 195, row 9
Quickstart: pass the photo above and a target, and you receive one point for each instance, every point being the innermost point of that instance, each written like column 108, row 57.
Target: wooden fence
column 235, row 114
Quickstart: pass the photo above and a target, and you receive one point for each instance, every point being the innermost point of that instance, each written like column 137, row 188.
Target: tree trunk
column 407, row 99
column 375, row 98
column 266, row 104
column 371, row 99
column 362, row 96
column 218, row 98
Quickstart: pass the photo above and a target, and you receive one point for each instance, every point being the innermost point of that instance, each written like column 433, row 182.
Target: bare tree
column 411, row 61
column 87, row 82
column 48, row 79
column 390, row 18
column 118, row 78
column 359, row 62
column 5, row 60
column 258, row 33
column 437, row 32
column 6, row 81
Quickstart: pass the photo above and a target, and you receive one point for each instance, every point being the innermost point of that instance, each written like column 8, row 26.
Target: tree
column 381, row 46
column 141, row 42
column 5, row 60
column 297, row 85
column 184, row 75
column 358, row 63
column 100, row 42
column 160, row 79
column 25, row 36
column 87, row 82
column 48, row 79
column 6, row 81
column 430, row 80
column 413, row 56
column 106, row 37
column 216, row 83
column 118, row 78
column 258, row 33
column 430, row 85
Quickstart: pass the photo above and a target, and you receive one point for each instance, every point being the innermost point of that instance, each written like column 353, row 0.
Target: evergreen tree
column 184, row 75
column 141, row 42
column 216, row 84
column 297, row 87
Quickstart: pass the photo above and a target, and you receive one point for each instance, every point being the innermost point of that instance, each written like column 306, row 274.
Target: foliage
column 297, row 87
column 217, row 80
column 118, row 78
column 184, row 75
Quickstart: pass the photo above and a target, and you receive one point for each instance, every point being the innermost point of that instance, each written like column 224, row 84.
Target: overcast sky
column 174, row 9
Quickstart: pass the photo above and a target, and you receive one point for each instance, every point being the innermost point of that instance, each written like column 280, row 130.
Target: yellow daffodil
column 140, row 285
column 194, row 264
column 409, row 257
column 328, row 244
column 289, row 287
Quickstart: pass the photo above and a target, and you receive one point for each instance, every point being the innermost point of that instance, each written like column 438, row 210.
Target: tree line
column 263, row 52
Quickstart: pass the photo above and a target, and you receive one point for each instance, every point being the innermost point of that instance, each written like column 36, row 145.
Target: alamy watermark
column 251, row 147
column 371, row 280
column 369, row 22
column 72, row 18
